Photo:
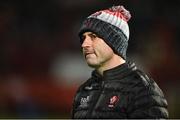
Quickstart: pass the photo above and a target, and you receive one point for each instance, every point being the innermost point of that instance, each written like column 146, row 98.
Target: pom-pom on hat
column 111, row 25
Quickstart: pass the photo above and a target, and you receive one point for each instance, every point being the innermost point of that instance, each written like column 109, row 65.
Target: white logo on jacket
column 84, row 101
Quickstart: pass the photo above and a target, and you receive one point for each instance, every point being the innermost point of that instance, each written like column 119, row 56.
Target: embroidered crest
column 113, row 100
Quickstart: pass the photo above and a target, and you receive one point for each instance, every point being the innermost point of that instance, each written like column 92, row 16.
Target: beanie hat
column 110, row 25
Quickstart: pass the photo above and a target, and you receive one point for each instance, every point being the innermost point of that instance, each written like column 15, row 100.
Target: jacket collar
column 116, row 72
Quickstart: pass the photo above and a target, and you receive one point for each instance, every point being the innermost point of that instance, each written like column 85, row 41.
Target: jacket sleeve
column 149, row 102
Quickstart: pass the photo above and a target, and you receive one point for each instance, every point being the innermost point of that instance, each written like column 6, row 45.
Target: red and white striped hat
column 111, row 25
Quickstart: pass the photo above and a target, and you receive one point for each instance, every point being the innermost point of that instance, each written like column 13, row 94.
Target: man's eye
column 93, row 36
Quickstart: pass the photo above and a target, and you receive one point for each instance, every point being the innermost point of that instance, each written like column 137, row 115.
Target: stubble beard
column 93, row 65
column 98, row 63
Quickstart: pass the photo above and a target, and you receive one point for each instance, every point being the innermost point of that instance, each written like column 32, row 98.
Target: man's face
column 95, row 50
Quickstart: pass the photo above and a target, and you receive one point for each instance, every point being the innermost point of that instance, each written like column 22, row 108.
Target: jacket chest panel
column 98, row 102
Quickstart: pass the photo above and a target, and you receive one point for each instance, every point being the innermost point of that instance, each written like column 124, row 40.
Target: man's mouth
column 88, row 54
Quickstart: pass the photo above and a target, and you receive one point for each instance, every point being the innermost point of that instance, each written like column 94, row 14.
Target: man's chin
column 93, row 65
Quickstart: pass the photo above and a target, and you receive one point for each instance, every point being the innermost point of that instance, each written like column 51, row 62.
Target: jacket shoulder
column 142, row 78
column 146, row 84
column 148, row 100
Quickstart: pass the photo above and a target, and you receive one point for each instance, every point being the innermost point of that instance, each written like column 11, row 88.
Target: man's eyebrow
column 89, row 34
column 92, row 34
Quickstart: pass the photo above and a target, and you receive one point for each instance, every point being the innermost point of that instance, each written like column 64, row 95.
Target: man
column 116, row 89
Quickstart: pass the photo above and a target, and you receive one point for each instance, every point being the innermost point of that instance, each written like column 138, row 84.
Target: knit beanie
column 110, row 25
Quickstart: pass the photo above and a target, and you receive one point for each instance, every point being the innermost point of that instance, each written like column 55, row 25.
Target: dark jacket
column 122, row 92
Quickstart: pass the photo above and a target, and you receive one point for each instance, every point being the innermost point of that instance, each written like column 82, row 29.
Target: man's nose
column 87, row 42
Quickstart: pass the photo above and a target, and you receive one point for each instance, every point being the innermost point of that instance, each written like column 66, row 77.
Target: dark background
column 41, row 64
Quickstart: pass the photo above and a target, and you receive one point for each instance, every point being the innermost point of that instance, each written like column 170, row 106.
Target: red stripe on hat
column 117, row 14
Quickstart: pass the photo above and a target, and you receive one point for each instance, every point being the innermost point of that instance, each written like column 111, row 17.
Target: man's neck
column 113, row 62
